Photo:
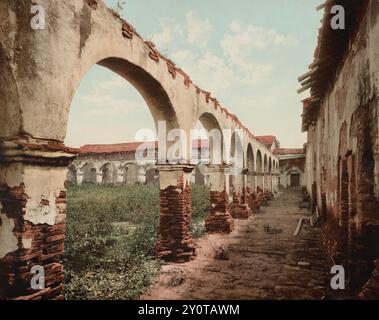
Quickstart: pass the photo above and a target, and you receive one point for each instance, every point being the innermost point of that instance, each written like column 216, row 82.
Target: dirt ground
column 261, row 259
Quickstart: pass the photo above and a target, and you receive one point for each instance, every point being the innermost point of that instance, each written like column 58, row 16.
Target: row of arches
column 111, row 173
column 245, row 151
column 34, row 127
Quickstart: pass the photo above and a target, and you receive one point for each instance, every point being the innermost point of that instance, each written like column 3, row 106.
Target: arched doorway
column 294, row 179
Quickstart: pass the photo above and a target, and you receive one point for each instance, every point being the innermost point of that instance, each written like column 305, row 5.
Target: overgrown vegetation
column 111, row 233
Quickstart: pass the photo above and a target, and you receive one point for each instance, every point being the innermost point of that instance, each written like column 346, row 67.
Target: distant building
column 271, row 142
column 116, row 164
column 292, row 167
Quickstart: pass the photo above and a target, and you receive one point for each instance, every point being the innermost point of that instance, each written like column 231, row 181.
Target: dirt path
column 265, row 260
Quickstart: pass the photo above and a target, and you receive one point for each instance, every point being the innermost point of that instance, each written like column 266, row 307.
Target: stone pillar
column 263, row 177
column 141, row 175
column 219, row 219
column 99, row 176
column 276, row 188
column 79, row 177
column 271, row 182
column 32, row 218
column 120, row 175
column 175, row 243
column 239, row 208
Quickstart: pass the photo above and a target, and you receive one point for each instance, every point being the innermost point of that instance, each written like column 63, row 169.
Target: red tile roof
column 113, row 148
column 283, row 151
column 267, row 140
column 129, row 147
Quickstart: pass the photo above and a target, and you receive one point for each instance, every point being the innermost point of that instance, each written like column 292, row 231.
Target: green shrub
column 111, row 233
column 200, row 209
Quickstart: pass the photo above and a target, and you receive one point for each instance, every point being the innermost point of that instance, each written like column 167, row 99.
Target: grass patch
column 111, row 233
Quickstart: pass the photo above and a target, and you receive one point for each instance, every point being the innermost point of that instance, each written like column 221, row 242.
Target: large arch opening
column 265, row 171
column 250, row 158
column 259, row 171
column 214, row 137
column 236, row 162
column 89, row 173
column 250, row 162
column 127, row 217
column 113, row 223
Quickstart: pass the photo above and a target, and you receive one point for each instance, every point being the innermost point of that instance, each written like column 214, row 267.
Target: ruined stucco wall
column 339, row 150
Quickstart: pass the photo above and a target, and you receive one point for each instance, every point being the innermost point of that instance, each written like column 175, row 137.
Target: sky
column 247, row 53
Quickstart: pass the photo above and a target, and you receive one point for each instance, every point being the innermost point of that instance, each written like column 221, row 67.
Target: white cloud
column 254, row 37
column 198, row 30
column 116, row 82
column 169, row 29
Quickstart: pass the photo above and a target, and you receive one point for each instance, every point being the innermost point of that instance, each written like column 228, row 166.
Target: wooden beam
column 308, row 86
column 307, row 74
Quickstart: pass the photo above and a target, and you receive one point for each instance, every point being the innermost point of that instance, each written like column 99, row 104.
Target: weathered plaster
column 8, row 241
column 43, row 186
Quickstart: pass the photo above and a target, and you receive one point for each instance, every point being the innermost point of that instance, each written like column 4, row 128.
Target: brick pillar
column 32, row 218
column 239, row 207
column 219, row 219
column 175, row 243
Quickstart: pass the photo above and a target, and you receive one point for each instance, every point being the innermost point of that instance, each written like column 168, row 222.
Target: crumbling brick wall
column 342, row 156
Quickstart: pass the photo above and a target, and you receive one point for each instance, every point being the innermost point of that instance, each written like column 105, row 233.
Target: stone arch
column 152, row 174
column 294, row 177
column 123, row 172
column 108, row 174
column 259, row 162
column 89, row 173
column 72, row 176
column 250, row 159
column 215, row 137
column 236, row 151
column 131, row 173
column 236, row 161
column 265, row 167
column 259, row 169
column 250, row 164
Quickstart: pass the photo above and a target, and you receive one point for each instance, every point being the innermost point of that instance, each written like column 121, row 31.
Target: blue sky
column 248, row 53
